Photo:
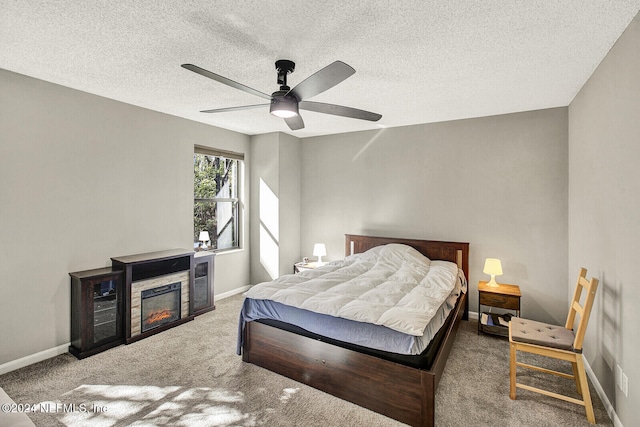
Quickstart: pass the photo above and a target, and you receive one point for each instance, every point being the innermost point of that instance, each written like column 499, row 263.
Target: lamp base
column 492, row 283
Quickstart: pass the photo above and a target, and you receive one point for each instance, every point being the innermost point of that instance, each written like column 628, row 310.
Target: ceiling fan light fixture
column 284, row 108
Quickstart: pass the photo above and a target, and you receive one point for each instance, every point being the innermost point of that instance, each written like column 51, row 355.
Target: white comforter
column 392, row 285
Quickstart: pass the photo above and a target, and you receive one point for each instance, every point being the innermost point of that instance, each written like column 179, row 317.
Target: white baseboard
column 232, row 292
column 596, row 384
column 34, row 358
column 603, row 396
column 62, row 349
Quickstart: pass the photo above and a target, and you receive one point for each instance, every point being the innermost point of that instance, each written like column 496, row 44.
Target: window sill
column 227, row 252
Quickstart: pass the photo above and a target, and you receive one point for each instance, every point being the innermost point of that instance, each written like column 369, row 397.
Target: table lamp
column 204, row 238
column 319, row 250
column 492, row 267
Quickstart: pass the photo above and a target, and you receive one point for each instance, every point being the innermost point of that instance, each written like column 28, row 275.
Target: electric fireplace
column 167, row 305
column 160, row 305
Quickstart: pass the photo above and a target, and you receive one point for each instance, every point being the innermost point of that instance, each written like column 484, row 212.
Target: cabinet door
column 96, row 311
column 105, row 296
column 201, row 291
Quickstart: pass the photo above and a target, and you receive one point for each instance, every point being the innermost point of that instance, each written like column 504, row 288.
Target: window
column 216, row 204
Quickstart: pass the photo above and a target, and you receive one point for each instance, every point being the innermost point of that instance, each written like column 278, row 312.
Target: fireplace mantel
column 142, row 267
column 152, row 256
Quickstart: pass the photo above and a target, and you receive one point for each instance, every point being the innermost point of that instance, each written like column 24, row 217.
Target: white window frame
column 236, row 201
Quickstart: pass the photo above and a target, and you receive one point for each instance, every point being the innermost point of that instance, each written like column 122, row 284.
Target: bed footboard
column 400, row 392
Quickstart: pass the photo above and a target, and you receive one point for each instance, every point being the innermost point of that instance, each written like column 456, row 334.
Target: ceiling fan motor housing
column 284, row 67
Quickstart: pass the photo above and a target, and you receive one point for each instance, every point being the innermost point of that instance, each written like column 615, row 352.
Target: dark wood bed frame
column 400, row 392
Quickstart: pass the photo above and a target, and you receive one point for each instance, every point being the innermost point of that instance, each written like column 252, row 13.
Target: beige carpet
column 191, row 376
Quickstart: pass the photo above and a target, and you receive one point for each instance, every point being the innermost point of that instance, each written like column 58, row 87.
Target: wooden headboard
column 435, row 250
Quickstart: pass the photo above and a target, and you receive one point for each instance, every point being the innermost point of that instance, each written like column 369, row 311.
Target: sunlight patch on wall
column 269, row 230
column 610, row 321
column 368, row 144
column 269, row 210
column 269, row 253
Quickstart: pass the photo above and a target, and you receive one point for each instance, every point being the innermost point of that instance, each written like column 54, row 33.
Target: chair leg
column 575, row 377
column 512, row 371
column 584, row 386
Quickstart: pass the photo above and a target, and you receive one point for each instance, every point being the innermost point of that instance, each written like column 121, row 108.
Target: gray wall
column 82, row 179
column 275, row 197
column 264, row 148
column 604, row 224
column 290, row 190
column 499, row 183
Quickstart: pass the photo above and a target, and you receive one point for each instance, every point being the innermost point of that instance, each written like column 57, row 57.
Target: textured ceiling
column 416, row 61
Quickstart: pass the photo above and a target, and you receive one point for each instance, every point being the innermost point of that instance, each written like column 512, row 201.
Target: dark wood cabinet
column 203, row 297
column 96, row 311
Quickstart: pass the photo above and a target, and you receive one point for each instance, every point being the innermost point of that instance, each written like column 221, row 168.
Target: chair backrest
column 590, row 286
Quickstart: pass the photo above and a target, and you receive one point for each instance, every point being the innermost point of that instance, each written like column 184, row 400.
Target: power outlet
column 624, row 384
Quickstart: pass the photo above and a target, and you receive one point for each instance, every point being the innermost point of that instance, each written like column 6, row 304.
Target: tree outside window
column 216, row 200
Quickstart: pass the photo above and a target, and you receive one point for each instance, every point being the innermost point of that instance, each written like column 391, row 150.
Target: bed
column 401, row 387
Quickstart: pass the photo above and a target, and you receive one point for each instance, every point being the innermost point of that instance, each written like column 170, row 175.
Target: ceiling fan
column 287, row 102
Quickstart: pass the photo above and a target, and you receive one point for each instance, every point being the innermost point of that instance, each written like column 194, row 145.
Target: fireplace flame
column 157, row 316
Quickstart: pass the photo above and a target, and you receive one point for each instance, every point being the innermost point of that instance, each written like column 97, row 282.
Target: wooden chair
column 557, row 342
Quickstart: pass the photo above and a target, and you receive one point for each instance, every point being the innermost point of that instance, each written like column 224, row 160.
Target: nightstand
column 506, row 297
column 302, row 266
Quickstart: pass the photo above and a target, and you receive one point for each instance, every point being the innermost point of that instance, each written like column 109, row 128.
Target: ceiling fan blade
column 339, row 110
column 322, row 80
column 295, row 123
column 242, row 107
column 225, row 80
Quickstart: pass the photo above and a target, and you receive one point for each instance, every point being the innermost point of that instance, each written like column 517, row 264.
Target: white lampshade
column 319, row 250
column 204, row 238
column 493, row 267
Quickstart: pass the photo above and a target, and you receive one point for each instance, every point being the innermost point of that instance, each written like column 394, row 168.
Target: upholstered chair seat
column 544, row 334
